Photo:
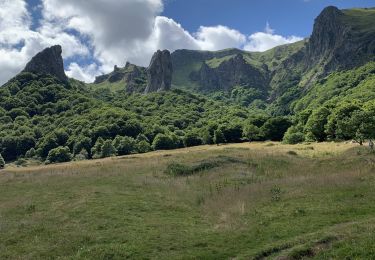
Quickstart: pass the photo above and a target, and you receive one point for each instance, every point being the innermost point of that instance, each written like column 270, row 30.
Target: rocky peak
column 328, row 32
column 48, row 61
column 159, row 73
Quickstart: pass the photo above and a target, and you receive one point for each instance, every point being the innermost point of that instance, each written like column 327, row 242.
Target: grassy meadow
column 242, row 201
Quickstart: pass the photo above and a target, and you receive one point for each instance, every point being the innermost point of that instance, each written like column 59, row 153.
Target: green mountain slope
column 322, row 86
column 38, row 113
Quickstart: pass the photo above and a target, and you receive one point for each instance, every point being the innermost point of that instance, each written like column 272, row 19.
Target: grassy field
column 243, row 201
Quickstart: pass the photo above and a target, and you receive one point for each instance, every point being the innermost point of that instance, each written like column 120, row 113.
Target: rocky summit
column 159, row 73
column 48, row 61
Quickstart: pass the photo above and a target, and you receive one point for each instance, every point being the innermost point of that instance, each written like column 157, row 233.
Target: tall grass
column 243, row 200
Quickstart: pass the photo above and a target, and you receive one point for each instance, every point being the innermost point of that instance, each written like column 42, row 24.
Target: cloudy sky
column 98, row 34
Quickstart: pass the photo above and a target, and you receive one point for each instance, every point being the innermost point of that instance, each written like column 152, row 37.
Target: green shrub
column 108, row 149
column 192, row 139
column 178, row 169
column 59, row 155
column 82, row 155
column 2, row 162
column 219, row 137
column 124, row 145
column 164, row 142
column 293, row 136
column 30, row 153
column 143, row 147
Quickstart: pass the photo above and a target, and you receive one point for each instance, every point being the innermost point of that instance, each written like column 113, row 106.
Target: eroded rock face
column 230, row 73
column 159, row 73
column 131, row 76
column 327, row 33
column 48, row 61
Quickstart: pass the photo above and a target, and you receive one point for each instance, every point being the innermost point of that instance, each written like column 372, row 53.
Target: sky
column 98, row 34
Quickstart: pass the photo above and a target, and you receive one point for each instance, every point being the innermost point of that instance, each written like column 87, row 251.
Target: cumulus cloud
column 18, row 43
column 219, row 37
column 108, row 33
column 262, row 41
column 84, row 73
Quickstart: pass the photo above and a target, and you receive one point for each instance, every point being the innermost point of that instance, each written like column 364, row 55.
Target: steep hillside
column 131, row 79
column 341, row 40
column 203, row 71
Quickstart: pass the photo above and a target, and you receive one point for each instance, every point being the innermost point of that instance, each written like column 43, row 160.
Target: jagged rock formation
column 338, row 42
column 230, row 73
column 329, row 32
column 112, row 77
column 159, row 73
column 341, row 39
column 132, row 77
column 48, row 61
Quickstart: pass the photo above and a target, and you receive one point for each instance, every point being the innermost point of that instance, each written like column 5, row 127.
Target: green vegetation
column 339, row 107
column 40, row 115
column 244, row 201
column 2, row 162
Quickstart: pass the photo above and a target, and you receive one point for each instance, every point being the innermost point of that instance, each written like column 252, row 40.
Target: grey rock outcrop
column 230, row 73
column 132, row 77
column 48, row 61
column 159, row 73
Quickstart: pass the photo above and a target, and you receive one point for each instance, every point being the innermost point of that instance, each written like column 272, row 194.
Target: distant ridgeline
column 321, row 88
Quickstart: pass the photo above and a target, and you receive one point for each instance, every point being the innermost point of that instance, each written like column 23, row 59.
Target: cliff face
column 232, row 72
column 132, row 77
column 328, row 34
column 341, row 40
column 49, row 61
column 159, row 73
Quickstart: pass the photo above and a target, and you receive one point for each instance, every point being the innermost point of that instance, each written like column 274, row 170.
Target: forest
column 50, row 121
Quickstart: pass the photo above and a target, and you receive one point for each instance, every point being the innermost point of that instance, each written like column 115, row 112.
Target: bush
column 252, row 133
column 143, row 147
column 30, row 153
column 178, row 169
column 108, row 149
column 163, row 142
column 219, row 137
column 275, row 128
column 2, row 162
column 293, row 136
column 82, row 155
column 232, row 133
column 124, row 145
column 20, row 162
column 59, row 155
column 192, row 139
column 97, row 148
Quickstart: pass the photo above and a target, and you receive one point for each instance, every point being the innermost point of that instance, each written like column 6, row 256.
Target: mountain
column 321, row 88
column 48, row 61
column 131, row 78
column 341, row 40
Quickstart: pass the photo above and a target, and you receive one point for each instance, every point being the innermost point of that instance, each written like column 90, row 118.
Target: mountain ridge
column 273, row 95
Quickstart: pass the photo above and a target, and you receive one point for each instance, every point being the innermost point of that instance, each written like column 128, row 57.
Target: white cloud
column 109, row 32
column 83, row 73
column 219, row 37
column 118, row 29
column 18, row 43
column 262, row 41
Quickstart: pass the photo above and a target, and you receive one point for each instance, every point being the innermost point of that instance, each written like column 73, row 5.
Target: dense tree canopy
column 39, row 114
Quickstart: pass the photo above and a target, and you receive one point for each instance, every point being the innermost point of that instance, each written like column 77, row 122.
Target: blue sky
column 287, row 17
column 97, row 34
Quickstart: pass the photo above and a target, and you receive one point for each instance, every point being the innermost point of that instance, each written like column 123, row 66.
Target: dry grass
column 129, row 207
